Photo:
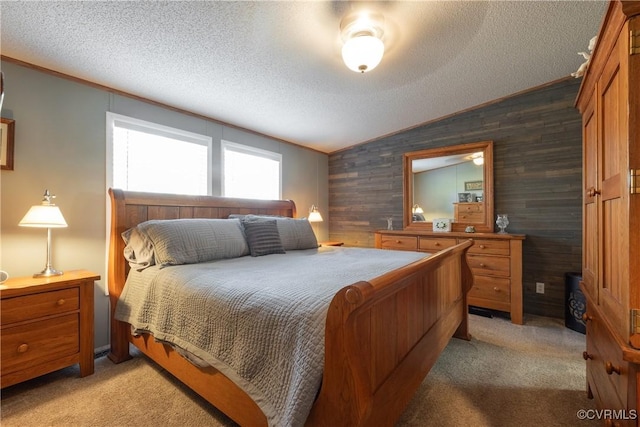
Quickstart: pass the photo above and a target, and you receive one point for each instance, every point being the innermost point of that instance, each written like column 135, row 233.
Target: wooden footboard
column 382, row 336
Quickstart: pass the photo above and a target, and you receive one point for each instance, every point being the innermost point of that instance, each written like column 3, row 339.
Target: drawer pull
column 586, row 317
column 437, row 244
column 22, row 348
column 481, row 246
column 61, row 301
column 482, row 264
column 497, row 289
column 586, row 356
column 398, row 241
column 611, row 369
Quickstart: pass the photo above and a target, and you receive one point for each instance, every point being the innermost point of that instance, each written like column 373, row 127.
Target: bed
column 381, row 335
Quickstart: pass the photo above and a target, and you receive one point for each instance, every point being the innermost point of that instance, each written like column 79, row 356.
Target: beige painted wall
column 60, row 146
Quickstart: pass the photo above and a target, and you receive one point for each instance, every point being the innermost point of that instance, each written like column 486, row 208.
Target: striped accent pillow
column 263, row 237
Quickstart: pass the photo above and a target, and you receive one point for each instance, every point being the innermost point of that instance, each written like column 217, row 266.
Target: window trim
column 253, row 151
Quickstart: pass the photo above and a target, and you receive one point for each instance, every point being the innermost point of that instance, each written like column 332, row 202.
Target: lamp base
column 48, row 272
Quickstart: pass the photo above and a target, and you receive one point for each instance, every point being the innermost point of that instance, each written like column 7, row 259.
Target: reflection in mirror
column 453, row 182
column 440, row 183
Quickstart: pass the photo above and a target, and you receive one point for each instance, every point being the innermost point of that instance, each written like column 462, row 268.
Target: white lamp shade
column 362, row 53
column 43, row 216
column 315, row 217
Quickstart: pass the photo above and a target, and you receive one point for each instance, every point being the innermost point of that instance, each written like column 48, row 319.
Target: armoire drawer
column 607, row 365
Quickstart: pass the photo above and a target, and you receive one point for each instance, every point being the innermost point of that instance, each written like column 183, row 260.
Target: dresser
column 495, row 260
column 609, row 101
column 468, row 213
column 46, row 324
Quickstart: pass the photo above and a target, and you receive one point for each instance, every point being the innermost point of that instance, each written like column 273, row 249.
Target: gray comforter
column 260, row 320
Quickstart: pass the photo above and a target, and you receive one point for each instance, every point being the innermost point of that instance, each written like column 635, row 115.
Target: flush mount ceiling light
column 478, row 158
column 362, row 35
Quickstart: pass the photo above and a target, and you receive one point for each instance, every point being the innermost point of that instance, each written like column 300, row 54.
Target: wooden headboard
column 130, row 208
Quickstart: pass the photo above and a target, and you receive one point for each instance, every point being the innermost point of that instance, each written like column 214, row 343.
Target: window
column 144, row 156
column 250, row 173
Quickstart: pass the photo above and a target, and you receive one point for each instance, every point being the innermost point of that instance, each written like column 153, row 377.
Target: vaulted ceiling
column 276, row 67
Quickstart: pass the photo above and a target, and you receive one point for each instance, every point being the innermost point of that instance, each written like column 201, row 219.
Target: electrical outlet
column 539, row 288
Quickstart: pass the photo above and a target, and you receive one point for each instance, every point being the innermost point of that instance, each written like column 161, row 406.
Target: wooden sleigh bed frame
column 382, row 336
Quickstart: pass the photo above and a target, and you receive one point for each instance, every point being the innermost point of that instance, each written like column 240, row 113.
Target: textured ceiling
column 276, row 67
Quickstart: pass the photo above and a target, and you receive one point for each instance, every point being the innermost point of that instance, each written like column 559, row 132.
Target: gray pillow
column 138, row 250
column 263, row 237
column 194, row 240
column 295, row 233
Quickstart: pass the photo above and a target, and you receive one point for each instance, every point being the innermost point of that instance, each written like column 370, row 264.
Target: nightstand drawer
column 490, row 247
column 33, row 306
column 39, row 342
column 435, row 245
column 400, row 242
column 489, row 265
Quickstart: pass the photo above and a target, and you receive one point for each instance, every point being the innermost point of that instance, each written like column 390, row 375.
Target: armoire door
column 590, row 215
column 612, row 192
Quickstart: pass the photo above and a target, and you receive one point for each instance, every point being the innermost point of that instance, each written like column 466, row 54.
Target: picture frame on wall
column 472, row 185
column 7, row 136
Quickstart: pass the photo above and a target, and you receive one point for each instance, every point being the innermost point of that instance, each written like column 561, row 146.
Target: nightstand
column 46, row 324
column 331, row 243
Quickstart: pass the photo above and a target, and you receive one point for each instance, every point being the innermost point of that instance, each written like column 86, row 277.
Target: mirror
column 454, row 182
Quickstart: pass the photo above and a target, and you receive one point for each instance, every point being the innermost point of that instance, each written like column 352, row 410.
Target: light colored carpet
column 507, row 375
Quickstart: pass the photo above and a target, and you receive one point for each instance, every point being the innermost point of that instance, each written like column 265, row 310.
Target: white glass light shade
column 478, row 161
column 362, row 53
column 314, row 215
column 43, row 216
column 417, row 209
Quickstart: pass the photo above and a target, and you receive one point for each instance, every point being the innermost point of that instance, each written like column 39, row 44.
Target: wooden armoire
column 609, row 101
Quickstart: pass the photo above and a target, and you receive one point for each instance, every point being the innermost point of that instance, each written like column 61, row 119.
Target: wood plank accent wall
column 537, row 177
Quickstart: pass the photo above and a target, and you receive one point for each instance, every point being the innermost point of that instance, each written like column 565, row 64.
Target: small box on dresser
column 46, row 324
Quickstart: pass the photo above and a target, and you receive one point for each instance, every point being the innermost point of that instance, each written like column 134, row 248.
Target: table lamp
column 314, row 214
column 45, row 215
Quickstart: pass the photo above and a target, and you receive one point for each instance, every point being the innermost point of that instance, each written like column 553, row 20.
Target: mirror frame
column 487, row 148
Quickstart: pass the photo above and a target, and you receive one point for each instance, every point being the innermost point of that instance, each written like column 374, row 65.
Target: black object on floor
column 480, row 311
column 575, row 303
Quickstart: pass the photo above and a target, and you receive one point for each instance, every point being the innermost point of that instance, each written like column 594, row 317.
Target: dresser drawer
column 435, row 245
column 42, row 304
column 471, row 217
column 403, row 243
column 491, row 288
column 39, row 342
column 470, row 207
column 489, row 265
column 490, row 247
